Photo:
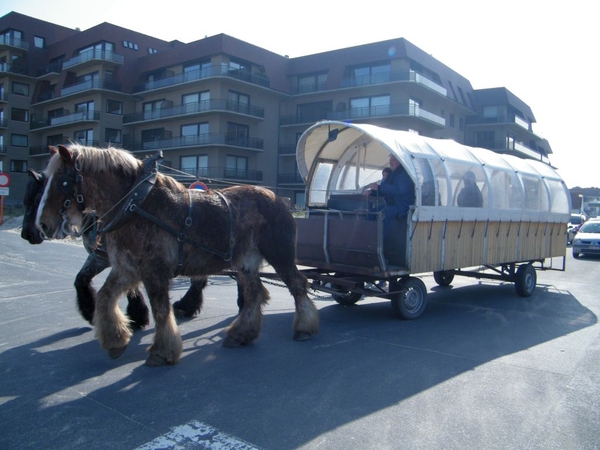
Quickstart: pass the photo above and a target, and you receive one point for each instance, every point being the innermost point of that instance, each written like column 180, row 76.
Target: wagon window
column 426, row 181
column 466, row 180
column 441, row 180
column 535, row 194
column 506, row 190
column 318, row 188
column 558, row 197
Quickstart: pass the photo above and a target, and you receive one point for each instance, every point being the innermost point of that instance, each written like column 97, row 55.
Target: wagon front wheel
column 525, row 280
column 411, row 300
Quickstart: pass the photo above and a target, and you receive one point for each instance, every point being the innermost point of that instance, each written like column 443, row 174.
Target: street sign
column 4, row 180
column 198, row 185
column 3, row 191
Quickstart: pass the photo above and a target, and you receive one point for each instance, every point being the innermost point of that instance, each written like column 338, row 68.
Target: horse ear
column 65, row 153
column 53, row 150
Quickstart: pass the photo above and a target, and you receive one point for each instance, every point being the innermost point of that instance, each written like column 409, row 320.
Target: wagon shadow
column 363, row 361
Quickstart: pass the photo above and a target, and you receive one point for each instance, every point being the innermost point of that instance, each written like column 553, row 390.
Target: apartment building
column 223, row 110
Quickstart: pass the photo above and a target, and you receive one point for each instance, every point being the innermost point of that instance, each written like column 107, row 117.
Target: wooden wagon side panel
column 426, row 247
column 352, row 242
column 464, row 243
column 501, row 242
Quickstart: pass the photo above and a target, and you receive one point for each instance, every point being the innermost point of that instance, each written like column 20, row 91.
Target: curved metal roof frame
column 332, row 141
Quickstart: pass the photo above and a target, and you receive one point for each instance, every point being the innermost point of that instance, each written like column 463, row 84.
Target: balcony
column 3, row 123
column 222, row 70
column 220, row 173
column 515, row 148
column 391, row 77
column 3, row 97
column 42, row 150
column 93, row 57
column 200, row 141
column 195, row 108
column 289, row 178
column 87, row 85
column 286, row 150
column 15, row 68
column 402, row 110
column 3, row 149
column 6, row 41
column 66, row 119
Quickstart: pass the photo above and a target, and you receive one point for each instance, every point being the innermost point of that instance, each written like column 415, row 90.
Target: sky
column 543, row 52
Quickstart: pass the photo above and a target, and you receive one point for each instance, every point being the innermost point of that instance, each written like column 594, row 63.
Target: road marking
column 196, row 435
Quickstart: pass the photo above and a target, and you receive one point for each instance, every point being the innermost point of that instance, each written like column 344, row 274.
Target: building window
column 370, row 106
column 112, row 136
column 19, row 140
column 152, row 51
column 461, row 124
column 236, row 167
column 114, row 107
column 237, row 134
column 311, row 112
column 18, row 165
column 196, row 165
column 20, row 115
column 85, row 106
column 196, row 102
column 452, row 120
column 20, row 88
column 84, row 137
column 238, row 102
column 195, row 134
column 130, row 45
column 377, row 73
column 39, row 42
column 311, row 83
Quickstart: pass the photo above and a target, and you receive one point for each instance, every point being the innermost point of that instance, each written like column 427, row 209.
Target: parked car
column 587, row 239
column 573, row 226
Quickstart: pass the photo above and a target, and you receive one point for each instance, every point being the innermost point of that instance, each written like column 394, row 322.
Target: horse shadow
column 364, row 361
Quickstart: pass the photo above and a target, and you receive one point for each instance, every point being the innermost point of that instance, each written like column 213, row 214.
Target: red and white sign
column 4, row 179
column 198, row 185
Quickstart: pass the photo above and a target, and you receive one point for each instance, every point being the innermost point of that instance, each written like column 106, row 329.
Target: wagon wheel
column 525, row 280
column 443, row 277
column 343, row 296
column 411, row 301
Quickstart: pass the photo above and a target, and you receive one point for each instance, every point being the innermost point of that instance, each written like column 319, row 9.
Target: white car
column 587, row 239
column 573, row 226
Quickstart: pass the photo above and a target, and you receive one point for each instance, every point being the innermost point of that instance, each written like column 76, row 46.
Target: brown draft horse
column 156, row 229
column 97, row 261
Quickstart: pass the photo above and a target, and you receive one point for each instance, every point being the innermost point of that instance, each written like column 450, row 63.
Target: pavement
column 481, row 369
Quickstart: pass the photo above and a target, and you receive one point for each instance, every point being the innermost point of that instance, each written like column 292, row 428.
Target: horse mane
column 96, row 160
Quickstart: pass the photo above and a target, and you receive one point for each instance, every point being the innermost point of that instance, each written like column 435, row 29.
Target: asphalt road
column 481, row 369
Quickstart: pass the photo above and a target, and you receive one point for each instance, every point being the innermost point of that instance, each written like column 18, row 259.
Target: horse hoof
column 114, row 353
column 302, row 336
column 156, row 361
column 231, row 342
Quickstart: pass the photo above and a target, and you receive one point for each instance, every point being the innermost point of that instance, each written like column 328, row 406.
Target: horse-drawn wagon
column 520, row 226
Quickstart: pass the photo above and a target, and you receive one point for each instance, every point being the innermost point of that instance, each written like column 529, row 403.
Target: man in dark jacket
column 398, row 191
column 470, row 195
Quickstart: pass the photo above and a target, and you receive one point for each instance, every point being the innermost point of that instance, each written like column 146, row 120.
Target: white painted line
column 196, row 435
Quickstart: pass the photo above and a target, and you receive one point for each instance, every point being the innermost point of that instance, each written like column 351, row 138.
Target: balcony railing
column 87, row 85
column 79, row 116
column 195, row 108
column 220, row 172
column 367, row 112
column 286, row 150
column 98, row 55
column 289, row 178
column 42, row 150
column 14, row 42
column 389, row 77
column 222, row 70
column 3, row 149
column 3, row 123
column 499, row 119
column 201, row 140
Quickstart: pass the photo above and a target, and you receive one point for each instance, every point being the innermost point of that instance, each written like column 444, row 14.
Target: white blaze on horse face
column 41, row 207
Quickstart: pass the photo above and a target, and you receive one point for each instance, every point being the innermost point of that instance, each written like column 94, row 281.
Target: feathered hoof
column 114, row 353
column 302, row 336
column 181, row 313
column 231, row 342
column 157, row 361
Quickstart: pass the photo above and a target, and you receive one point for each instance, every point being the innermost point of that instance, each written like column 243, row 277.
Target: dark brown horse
column 156, row 229
column 97, row 261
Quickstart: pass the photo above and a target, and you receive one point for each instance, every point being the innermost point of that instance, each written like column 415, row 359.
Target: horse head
column 56, row 217
column 31, row 201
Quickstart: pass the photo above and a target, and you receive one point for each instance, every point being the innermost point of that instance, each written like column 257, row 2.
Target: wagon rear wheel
column 525, row 280
column 443, row 277
column 344, row 296
column 411, row 301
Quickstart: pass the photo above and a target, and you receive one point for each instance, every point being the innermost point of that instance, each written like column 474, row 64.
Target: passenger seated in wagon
column 470, row 195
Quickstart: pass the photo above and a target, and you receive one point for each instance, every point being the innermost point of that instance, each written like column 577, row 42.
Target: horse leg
column 246, row 327
column 167, row 345
column 137, row 310
column 306, row 317
column 191, row 303
column 86, row 294
column 112, row 326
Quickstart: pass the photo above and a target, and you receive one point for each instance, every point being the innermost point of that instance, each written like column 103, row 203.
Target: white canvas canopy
column 337, row 157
